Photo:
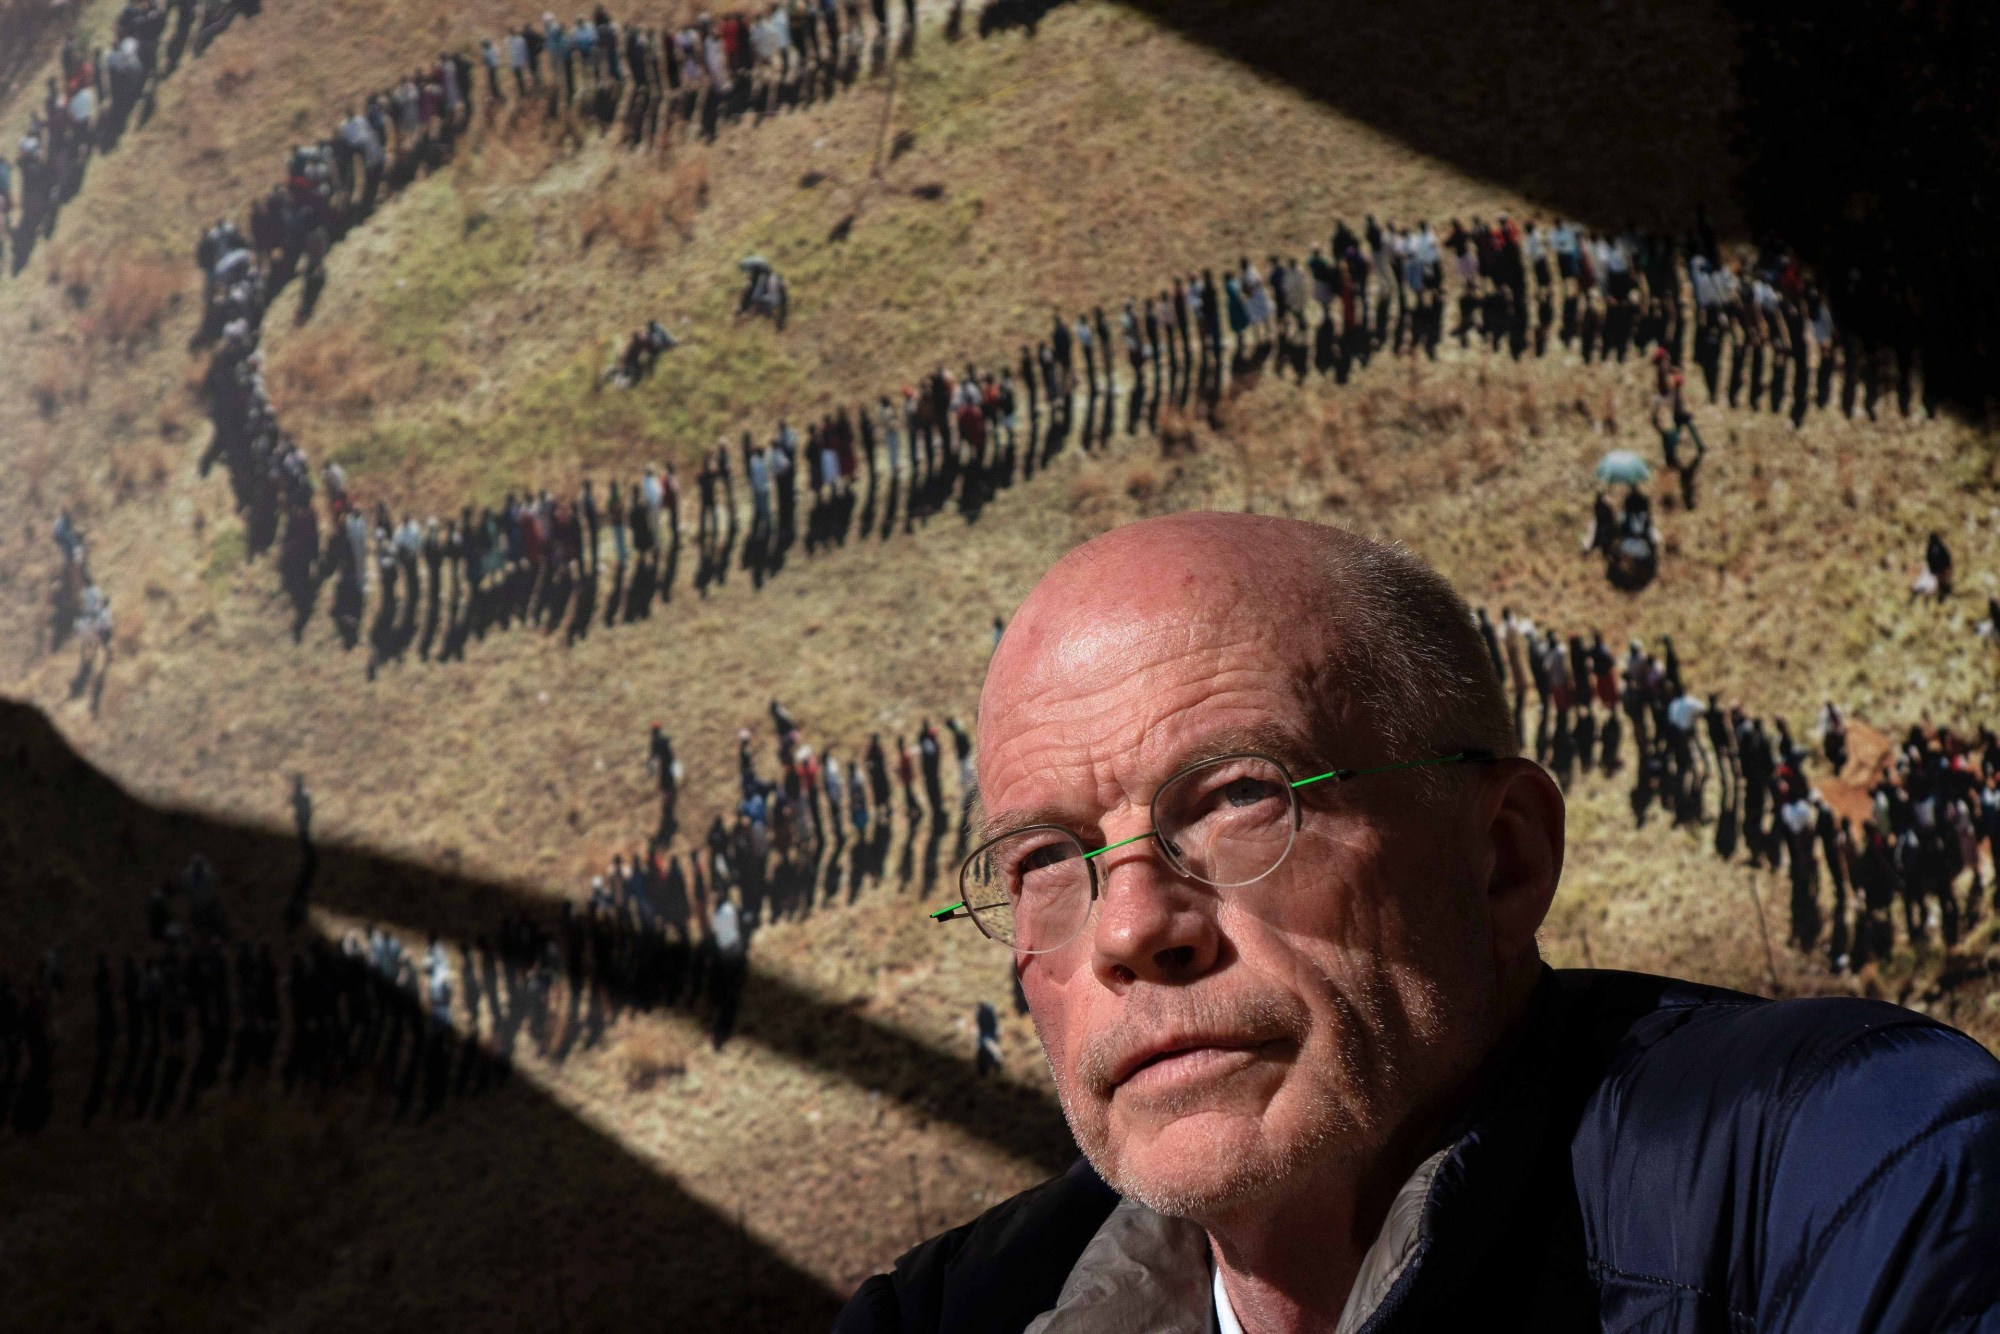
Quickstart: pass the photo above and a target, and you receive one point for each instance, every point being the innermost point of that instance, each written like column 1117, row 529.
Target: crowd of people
column 669, row 922
column 209, row 1003
column 1929, row 803
column 534, row 558
column 1385, row 289
column 87, row 106
column 960, row 437
column 662, row 927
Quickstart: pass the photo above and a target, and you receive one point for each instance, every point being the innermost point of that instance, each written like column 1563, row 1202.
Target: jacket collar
column 1144, row 1273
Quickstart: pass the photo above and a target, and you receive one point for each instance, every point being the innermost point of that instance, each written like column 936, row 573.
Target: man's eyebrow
column 1061, row 817
column 1274, row 739
column 1270, row 738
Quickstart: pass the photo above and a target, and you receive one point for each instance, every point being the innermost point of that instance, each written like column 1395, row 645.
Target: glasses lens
column 1229, row 821
column 1030, row 890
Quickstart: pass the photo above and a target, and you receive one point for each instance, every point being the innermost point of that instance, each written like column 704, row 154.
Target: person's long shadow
column 865, row 521
column 1058, row 431
column 889, row 503
column 615, row 599
column 1108, row 423
column 932, row 842
column 463, row 1176
column 906, row 866
column 639, row 593
column 433, row 615
column 585, row 609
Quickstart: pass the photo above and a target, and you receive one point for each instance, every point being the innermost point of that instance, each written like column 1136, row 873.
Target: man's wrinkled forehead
column 1065, row 662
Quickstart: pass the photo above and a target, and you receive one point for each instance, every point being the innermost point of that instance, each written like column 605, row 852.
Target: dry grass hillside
column 454, row 355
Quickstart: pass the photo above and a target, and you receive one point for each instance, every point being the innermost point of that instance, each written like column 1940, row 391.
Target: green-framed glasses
column 1226, row 821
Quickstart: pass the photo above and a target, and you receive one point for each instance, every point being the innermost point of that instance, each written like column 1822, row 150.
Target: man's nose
column 1153, row 924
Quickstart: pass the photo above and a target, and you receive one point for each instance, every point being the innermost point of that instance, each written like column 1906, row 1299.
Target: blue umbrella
column 1621, row 467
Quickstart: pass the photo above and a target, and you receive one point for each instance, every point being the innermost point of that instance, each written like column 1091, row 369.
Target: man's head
column 1329, row 1014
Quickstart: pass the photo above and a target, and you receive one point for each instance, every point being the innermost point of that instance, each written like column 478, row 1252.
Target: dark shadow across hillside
column 1861, row 135
column 501, row 1209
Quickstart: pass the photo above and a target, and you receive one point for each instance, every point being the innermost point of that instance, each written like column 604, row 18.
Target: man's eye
column 1247, row 791
column 1038, row 858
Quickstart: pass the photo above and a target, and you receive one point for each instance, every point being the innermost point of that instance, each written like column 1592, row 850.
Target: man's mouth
column 1183, row 1060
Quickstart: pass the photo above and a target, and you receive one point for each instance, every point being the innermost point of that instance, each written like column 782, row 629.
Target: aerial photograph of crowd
column 447, row 778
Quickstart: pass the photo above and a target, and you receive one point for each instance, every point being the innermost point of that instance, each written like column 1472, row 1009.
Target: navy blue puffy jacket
column 1656, row 1156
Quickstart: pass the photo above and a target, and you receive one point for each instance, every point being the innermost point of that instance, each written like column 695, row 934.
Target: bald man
column 1270, row 870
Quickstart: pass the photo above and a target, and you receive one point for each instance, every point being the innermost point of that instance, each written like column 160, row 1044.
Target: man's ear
column 1523, row 817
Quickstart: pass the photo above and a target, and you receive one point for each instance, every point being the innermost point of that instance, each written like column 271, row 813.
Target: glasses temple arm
column 1467, row 756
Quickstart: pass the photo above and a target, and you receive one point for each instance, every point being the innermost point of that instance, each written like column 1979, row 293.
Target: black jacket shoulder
column 992, row 1275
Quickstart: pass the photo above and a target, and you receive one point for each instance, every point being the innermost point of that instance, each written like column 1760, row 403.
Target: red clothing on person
column 972, row 426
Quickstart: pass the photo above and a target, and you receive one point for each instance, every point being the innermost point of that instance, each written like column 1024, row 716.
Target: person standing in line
column 1239, row 310
column 1937, row 561
column 1801, row 344
column 517, row 60
column 878, row 771
column 836, row 783
column 664, row 769
column 614, row 511
column 961, row 741
column 1675, row 424
column 1840, row 944
column 638, row 517
column 489, row 55
column 1208, row 298
column 588, row 517
column 1492, row 642
column 858, row 805
column 1182, row 319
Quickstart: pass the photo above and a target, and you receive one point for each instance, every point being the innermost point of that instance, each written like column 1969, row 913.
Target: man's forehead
column 1056, row 660
column 1165, row 599
column 1142, row 699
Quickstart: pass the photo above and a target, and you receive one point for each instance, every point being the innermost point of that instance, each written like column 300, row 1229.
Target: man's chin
column 1195, row 1163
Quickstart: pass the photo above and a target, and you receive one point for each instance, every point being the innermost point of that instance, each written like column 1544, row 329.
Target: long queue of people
column 669, row 921
column 1902, row 828
column 535, row 558
column 703, row 74
column 961, row 437
column 89, row 103
column 207, row 1005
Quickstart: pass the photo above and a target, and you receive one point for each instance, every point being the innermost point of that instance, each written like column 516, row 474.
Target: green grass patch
column 226, row 552
column 456, row 255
